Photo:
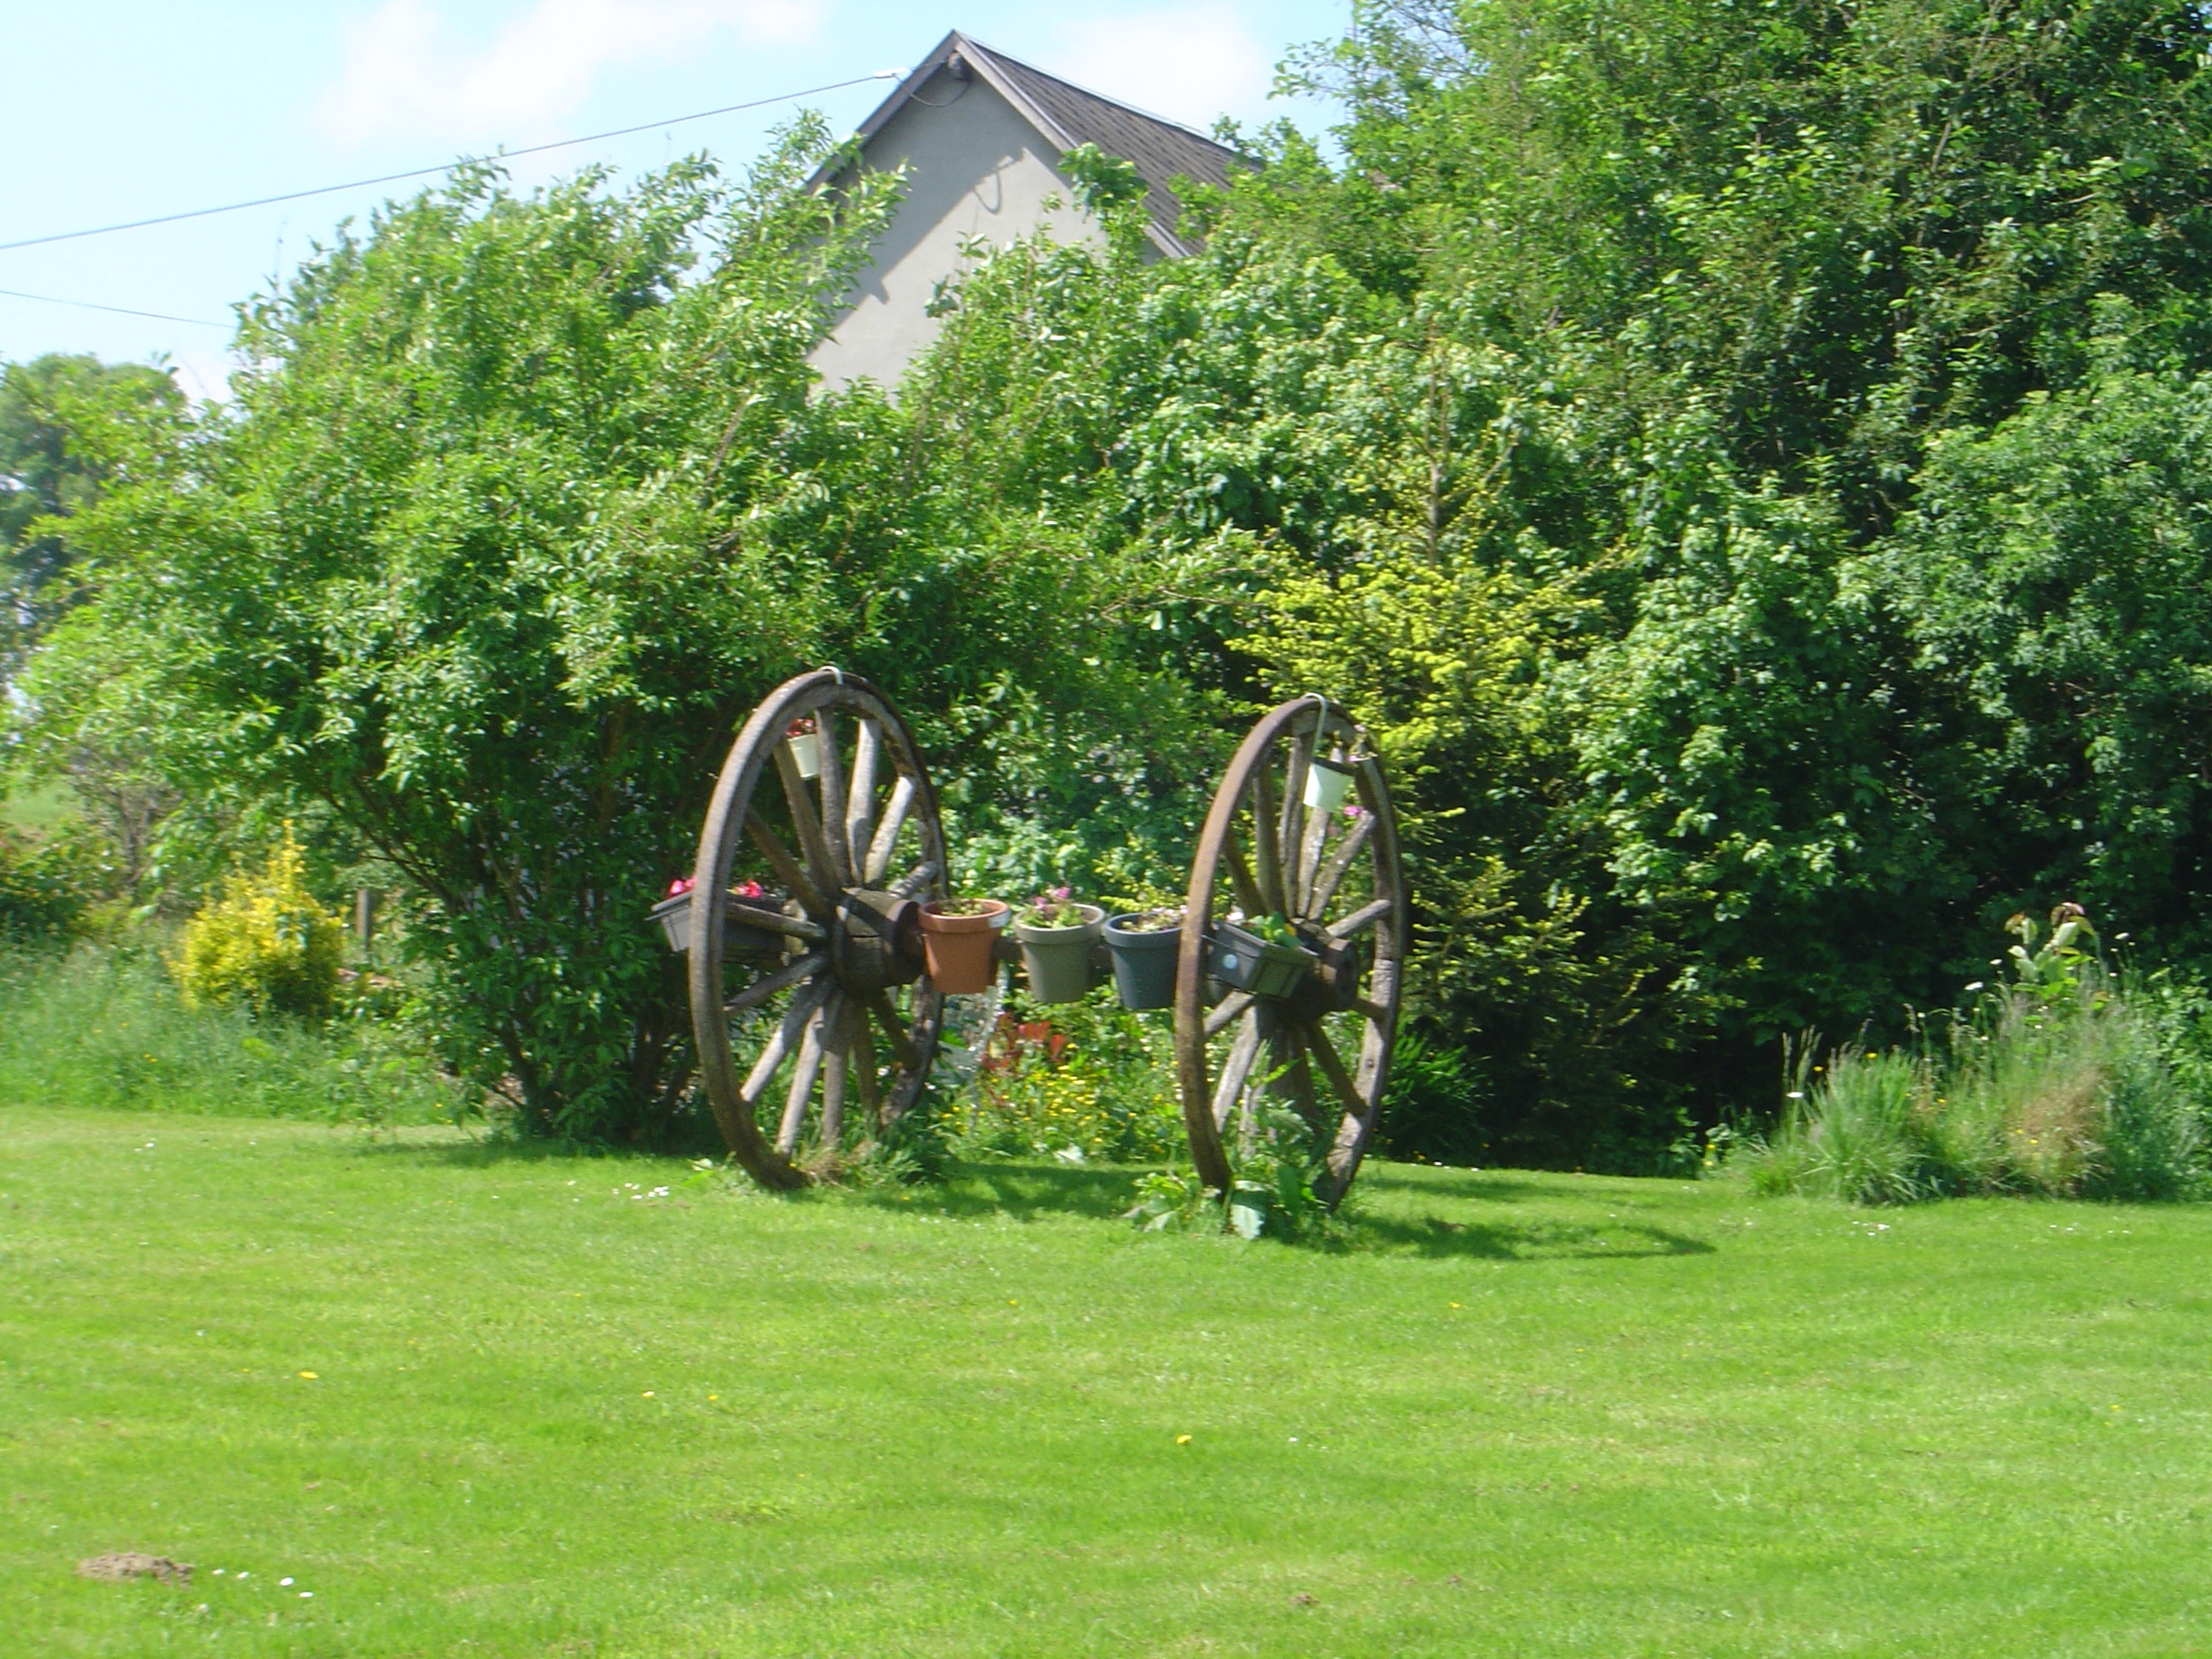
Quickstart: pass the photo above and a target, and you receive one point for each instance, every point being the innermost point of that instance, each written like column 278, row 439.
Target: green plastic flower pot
column 1249, row 962
column 1058, row 959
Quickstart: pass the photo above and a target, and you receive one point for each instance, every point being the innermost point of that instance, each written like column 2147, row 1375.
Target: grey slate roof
column 1068, row 116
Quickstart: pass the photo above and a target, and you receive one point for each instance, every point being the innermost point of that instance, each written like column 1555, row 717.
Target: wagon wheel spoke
column 1332, row 874
column 1290, row 833
column 1236, row 1070
column 808, row 1067
column 831, row 783
column 1240, row 877
column 878, row 1004
column 916, row 879
column 767, row 985
column 1221, row 1018
column 776, row 922
column 1309, row 847
column 812, row 841
column 1289, row 1077
column 865, row 1080
column 1266, row 853
column 1332, row 1067
column 802, row 1010
column 860, row 802
column 885, row 842
column 1361, row 920
column 788, row 868
column 836, row 1066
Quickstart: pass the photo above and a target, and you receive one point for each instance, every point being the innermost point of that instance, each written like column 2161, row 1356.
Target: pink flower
column 680, row 886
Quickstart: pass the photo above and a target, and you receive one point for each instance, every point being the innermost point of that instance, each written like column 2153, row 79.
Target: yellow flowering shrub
column 265, row 945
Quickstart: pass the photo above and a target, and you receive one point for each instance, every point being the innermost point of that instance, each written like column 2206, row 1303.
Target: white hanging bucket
column 806, row 751
column 1327, row 780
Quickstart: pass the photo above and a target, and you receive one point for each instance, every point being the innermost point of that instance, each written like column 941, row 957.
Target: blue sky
column 119, row 110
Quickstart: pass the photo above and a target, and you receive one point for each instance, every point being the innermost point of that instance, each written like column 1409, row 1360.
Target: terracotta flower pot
column 1058, row 959
column 957, row 949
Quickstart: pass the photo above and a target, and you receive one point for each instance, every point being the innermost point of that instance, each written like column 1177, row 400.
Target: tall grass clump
column 103, row 1027
column 2058, row 1082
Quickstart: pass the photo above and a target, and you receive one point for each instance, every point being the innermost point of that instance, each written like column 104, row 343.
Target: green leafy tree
column 519, row 507
column 52, row 411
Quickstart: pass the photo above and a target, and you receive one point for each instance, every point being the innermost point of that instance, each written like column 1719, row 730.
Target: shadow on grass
column 488, row 1151
column 1434, row 1183
column 1025, row 1192
column 1536, row 1241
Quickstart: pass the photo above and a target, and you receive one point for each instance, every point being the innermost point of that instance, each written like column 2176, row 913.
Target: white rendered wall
column 975, row 169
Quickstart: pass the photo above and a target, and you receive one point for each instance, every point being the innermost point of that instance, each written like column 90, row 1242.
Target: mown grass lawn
column 1528, row 1415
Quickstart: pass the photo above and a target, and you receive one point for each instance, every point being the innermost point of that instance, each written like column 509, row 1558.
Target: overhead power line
column 425, row 173
column 120, row 310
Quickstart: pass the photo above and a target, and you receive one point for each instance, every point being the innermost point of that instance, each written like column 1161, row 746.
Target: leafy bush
column 48, row 882
column 266, row 946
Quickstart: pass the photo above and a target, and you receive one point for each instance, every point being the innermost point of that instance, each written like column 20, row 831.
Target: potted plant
column 1327, row 780
column 1143, row 946
column 957, row 936
column 1056, row 934
column 1263, row 956
column 673, row 913
column 803, row 739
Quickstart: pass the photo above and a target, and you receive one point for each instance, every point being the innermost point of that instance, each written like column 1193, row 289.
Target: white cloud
column 1193, row 65
column 406, row 71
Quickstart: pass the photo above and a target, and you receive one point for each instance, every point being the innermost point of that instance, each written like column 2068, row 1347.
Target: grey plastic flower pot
column 1058, row 959
column 740, row 942
column 1144, row 963
column 1250, row 964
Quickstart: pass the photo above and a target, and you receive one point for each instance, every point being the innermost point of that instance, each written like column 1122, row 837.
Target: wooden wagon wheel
column 1335, row 877
column 824, row 991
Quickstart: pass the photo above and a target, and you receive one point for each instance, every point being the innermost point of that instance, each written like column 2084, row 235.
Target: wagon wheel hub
column 877, row 941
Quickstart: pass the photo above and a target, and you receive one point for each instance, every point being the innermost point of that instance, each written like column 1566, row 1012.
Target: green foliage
column 1102, row 181
column 2056, row 1083
column 266, row 946
column 512, row 517
column 1080, row 1082
column 54, row 463
column 1835, row 226
column 102, row 1027
column 48, row 880
column 1745, row 463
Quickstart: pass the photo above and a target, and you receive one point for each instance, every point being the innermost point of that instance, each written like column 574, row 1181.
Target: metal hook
column 1321, row 726
column 832, row 668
